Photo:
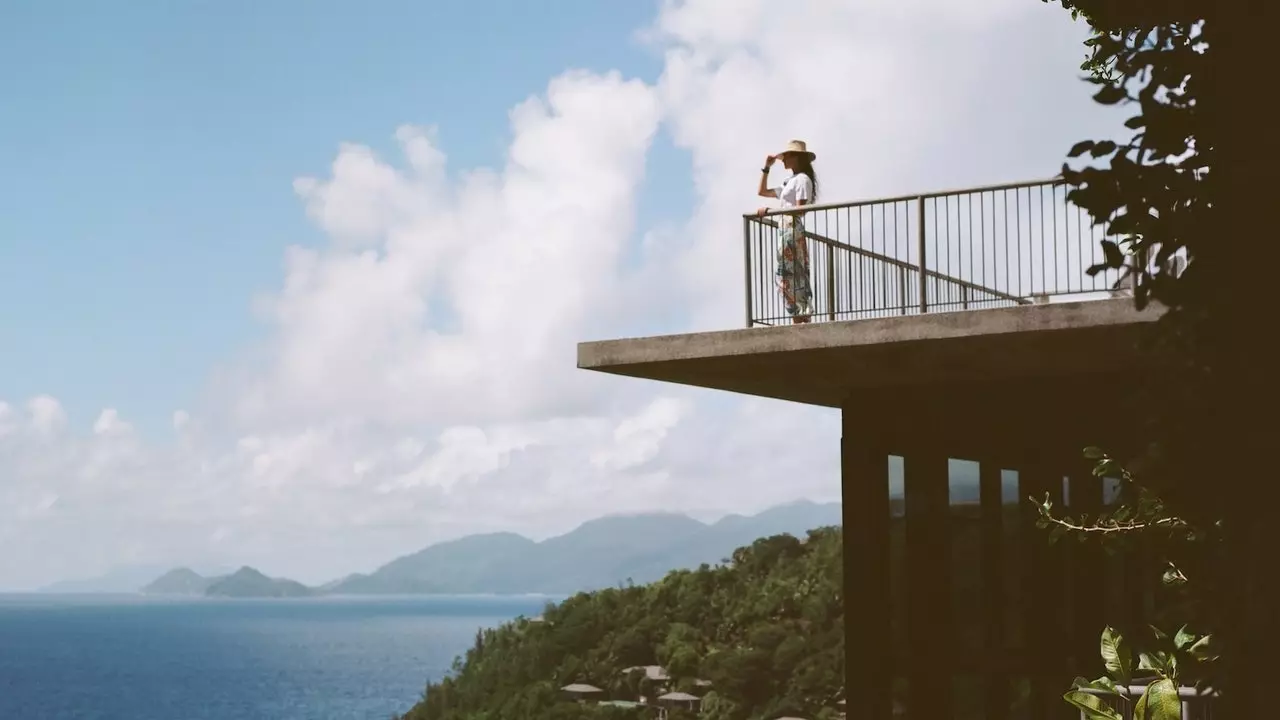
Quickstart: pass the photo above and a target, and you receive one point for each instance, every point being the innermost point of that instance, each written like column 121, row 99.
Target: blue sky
column 408, row 375
column 148, row 150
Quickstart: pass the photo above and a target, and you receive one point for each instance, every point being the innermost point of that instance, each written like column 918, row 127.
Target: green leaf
column 1094, row 453
column 1110, row 95
column 1203, row 649
column 1111, row 251
column 1106, row 147
column 1159, row 702
column 1116, row 655
column 1173, row 576
column 1160, row 635
column 1091, row 706
column 1080, row 148
column 1184, row 638
column 1103, row 684
column 1158, row 662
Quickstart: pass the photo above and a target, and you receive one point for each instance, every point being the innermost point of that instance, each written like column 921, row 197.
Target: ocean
column 68, row 657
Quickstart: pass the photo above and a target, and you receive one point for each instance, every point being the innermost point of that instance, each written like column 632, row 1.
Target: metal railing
column 1196, row 705
column 983, row 247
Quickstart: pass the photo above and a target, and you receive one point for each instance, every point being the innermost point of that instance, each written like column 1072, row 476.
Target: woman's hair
column 804, row 166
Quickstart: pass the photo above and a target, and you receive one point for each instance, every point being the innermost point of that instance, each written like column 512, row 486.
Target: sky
column 299, row 285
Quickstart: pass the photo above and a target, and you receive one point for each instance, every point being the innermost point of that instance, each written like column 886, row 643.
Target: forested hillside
column 766, row 630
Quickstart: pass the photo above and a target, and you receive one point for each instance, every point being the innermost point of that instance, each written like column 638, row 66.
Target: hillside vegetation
column 766, row 630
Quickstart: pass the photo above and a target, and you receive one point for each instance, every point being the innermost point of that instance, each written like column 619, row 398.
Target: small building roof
column 581, row 688
column 653, row 672
column 679, row 697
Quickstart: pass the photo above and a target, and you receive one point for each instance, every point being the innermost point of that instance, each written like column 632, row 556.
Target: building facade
column 972, row 357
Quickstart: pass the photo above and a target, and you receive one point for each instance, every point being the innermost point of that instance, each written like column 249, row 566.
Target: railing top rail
column 903, row 198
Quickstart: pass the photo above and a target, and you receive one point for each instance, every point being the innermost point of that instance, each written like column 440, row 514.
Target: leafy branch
column 1108, row 525
column 1140, row 512
column 1146, row 515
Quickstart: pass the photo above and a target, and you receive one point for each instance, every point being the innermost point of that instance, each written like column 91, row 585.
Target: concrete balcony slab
column 824, row 363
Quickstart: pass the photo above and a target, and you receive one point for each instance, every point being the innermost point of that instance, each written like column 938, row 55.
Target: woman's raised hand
column 769, row 160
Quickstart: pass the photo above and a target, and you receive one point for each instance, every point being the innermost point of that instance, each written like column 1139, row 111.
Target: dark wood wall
column 956, row 605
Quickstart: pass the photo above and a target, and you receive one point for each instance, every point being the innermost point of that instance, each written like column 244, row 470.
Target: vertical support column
column 1045, row 590
column 995, row 668
column 929, row 621
column 1088, row 577
column 864, row 471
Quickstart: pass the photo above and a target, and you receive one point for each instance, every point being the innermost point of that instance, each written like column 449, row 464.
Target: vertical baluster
column 746, row 251
column 831, row 281
column 903, row 285
column 924, row 286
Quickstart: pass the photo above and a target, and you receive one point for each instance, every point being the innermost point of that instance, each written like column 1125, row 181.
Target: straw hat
column 798, row 147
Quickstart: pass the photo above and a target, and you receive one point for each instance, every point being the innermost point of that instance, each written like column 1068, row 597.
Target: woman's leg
column 793, row 274
column 803, row 290
column 785, row 272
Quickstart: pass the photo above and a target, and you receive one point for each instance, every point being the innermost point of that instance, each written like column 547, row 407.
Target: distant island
column 606, row 552
column 120, row 580
column 243, row 583
column 180, row 581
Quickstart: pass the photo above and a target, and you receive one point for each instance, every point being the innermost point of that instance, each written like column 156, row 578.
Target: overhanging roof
column 824, row 363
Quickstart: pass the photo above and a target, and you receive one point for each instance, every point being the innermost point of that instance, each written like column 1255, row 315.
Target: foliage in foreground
column 1168, row 661
column 1157, row 194
column 766, row 629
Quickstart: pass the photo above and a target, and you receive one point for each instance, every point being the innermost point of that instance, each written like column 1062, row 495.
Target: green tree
column 1185, row 183
column 766, row 629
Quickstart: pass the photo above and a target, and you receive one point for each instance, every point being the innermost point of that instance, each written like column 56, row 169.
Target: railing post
column 924, row 285
column 746, row 265
column 964, row 297
column 831, row 281
column 903, row 283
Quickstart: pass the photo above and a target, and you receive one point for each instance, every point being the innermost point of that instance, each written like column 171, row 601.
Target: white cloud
column 419, row 379
column 468, row 306
column 8, row 421
column 47, row 415
column 895, row 96
column 638, row 439
column 109, row 422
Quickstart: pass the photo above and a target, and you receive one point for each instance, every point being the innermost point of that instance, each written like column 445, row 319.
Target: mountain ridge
column 602, row 552
column 606, row 551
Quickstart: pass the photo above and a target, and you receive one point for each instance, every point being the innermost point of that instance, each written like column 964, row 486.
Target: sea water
column 137, row 658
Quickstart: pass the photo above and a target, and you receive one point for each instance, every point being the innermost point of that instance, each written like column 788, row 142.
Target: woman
column 793, row 256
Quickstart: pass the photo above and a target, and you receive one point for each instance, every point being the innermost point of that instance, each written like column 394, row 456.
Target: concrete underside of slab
column 826, row 363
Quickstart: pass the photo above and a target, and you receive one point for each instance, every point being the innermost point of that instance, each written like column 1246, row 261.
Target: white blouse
column 796, row 189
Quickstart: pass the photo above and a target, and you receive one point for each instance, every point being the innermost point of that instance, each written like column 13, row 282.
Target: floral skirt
column 793, row 271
